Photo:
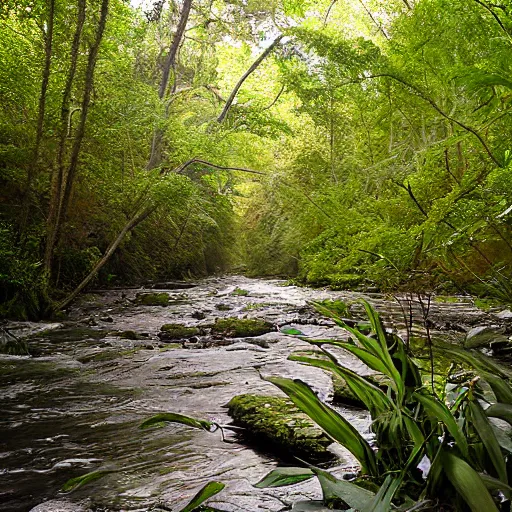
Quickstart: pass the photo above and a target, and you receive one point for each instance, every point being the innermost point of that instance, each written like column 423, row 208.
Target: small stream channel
column 77, row 403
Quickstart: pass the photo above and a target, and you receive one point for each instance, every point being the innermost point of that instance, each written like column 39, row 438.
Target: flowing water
column 76, row 404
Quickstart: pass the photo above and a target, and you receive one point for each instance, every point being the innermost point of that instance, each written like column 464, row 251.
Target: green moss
column 445, row 299
column 486, row 304
column 240, row 291
column 241, row 327
column 152, row 299
column 277, row 421
column 177, row 332
column 223, row 307
column 130, row 335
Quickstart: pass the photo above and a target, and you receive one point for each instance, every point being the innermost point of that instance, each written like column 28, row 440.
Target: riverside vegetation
column 354, row 143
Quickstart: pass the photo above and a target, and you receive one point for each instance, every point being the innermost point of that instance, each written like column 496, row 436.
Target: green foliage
column 411, row 422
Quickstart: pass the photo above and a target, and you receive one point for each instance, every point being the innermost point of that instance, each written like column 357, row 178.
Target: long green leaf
column 329, row 420
column 493, row 484
column 382, row 500
column 284, row 476
column 502, row 411
column 376, row 347
column 369, row 358
column 500, row 387
column 209, row 490
column 74, row 483
column 332, row 488
column 486, row 433
column 468, row 483
column 374, row 398
column 438, row 411
column 173, row 417
column 475, row 359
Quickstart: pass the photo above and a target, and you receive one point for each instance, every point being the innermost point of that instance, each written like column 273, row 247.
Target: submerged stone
column 177, row 332
column 152, row 299
column 275, row 420
column 241, row 327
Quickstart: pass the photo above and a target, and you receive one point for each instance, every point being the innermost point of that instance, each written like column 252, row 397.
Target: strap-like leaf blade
column 209, row 490
column 173, row 417
column 468, row 483
column 280, row 477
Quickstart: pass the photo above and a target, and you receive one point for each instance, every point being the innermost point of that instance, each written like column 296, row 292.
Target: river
column 76, row 404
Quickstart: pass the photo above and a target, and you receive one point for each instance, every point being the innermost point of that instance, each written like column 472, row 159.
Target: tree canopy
column 345, row 142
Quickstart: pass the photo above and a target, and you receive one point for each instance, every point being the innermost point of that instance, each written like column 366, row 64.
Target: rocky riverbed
column 75, row 404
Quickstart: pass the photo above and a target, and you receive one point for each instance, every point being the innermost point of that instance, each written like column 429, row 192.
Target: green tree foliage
column 381, row 127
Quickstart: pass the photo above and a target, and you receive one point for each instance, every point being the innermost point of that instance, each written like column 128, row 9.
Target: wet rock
column 60, row 506
column 245, row 346
column 198, row 315
column 504, row 315
column 131, row 335
column 241, row 327
column 276, row 421
column 106, row 319
column 485, row 335
column 152, row 299
column 173, row 332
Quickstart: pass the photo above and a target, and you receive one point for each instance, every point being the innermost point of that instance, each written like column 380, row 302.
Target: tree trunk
column 65, row 120
column 48, row 49
column 244, row 77
column 155, row 157
column 136, row 219
column 69, row 176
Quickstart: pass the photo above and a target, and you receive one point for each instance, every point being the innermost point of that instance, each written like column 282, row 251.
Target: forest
column 356, row 144
column 202, row 198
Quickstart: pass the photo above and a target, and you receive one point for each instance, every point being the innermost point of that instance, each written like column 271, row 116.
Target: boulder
column 277, row 422
column 171, row 332
column 241, row 327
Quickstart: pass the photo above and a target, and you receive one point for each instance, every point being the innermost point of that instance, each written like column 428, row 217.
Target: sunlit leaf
column 209, row 490
column 173, row 417
column 284, row 476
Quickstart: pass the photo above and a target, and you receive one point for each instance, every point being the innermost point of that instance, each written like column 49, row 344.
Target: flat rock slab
column 276, row 421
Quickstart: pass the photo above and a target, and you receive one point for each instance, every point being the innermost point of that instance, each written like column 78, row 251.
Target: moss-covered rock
column 177, row 332
column 241, row 327
column 152, row 299
column 275, row 420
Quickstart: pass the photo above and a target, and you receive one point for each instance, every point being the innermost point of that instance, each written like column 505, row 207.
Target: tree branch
column 244, row 77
